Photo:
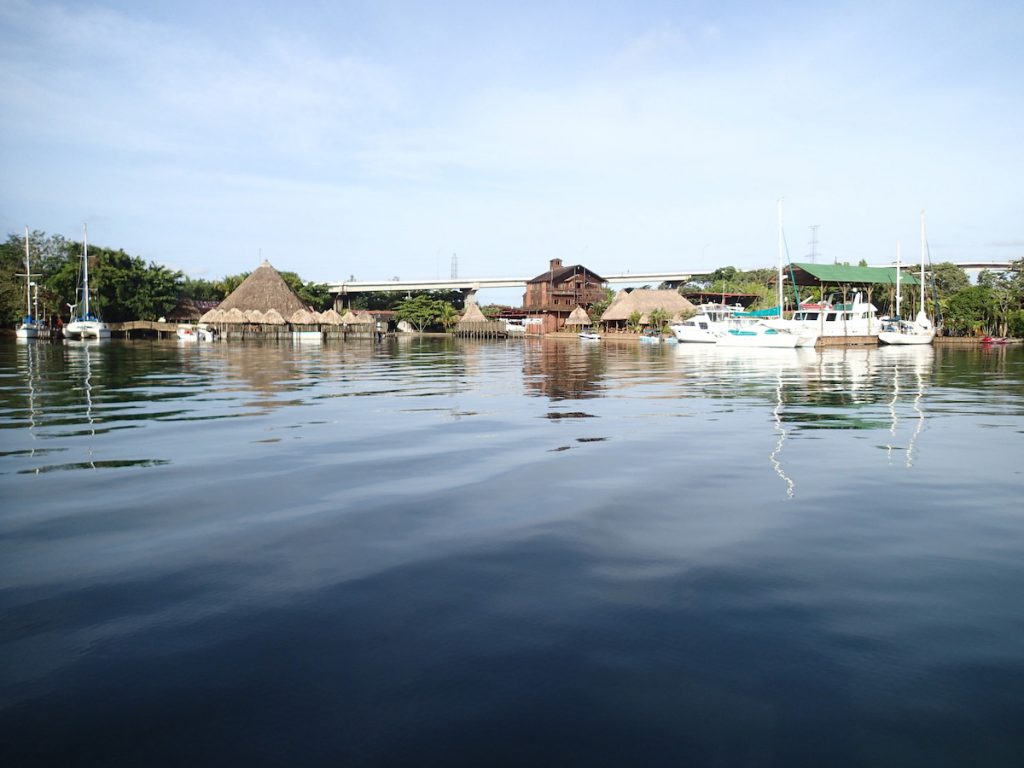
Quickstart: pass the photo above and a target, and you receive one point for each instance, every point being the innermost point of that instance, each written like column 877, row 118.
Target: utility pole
column 814, row 243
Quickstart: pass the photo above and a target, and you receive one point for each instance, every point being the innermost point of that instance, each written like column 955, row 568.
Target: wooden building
column 560, row 290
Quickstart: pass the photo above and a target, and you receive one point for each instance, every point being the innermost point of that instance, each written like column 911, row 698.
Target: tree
column 598, row 308
column 448, row 316
column 315, row 295
column 949, row 278
column 633, row 321
column 419, row 311
column 658, row 317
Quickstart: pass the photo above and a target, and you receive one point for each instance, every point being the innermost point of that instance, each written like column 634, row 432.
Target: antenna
column 813, row 255
column 455, row 266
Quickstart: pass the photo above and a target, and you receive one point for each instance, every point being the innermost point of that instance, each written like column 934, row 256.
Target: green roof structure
column 842, row 274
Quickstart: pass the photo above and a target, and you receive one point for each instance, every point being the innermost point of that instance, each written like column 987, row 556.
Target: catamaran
column 28, row 328
column 85, row 325
column 896, row 329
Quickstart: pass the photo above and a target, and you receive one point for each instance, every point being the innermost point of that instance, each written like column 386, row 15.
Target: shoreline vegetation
column 128, row 288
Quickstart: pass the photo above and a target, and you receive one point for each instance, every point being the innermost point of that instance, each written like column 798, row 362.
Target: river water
column 535, row 552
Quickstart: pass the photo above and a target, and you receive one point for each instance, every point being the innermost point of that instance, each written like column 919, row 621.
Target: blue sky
column 377, row 139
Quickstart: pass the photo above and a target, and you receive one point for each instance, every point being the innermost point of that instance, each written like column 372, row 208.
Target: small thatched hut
column 578, row 317
column 330, row 317
column 473, row 314
column 644, row 301
column 304, row 317
column 264, row 290
column 233, row 316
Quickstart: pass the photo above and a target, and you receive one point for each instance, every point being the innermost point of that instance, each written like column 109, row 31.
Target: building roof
column 561, row 274
column 473, row 314
column 578, row 316
column 264, row 290
column 812, row 274
column 644, row 301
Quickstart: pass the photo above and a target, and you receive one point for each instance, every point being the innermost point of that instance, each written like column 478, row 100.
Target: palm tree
column 448, row 316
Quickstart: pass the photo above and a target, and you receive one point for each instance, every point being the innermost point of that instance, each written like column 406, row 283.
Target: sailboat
column 899, row 331
column 28, row 328
column 85, row 325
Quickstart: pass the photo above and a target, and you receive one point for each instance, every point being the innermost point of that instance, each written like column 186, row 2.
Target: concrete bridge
column 469, row 286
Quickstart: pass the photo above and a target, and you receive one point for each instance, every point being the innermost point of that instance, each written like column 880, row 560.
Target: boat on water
column 589, row 336
column 898, row 331
column 85, row 326
column 29, row 327
column 710, row 322
column 856, row 317
column 194, row 333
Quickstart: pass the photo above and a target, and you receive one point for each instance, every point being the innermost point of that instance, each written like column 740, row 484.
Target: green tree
column 419, row 311
column 658, row 317
column 633, row 321
column 969, row 311
column 598, row 308
column 949, row 278
column 448, row 316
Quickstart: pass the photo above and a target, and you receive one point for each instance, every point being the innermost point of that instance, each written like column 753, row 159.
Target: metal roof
column 812, row 274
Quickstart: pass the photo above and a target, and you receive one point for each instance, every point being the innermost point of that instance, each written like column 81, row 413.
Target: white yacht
column 28, row 328
column 710, row 322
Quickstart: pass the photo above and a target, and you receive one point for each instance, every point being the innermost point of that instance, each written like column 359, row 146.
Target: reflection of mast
column 30, row 370
column 919, row 411
column 88, row 401
column 892, row 408
column 773, row 457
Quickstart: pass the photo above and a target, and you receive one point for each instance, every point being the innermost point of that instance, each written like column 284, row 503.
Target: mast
column 779, row 278
column 898, row 280
column 922, row 263
column 28, row 279
column 85, row 270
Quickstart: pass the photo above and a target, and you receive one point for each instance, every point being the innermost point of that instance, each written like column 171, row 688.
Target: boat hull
column 83, row 330
column 905, row 339
column 26, row 332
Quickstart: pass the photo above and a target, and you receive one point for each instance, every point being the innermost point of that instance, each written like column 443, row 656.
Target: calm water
column 539, row 553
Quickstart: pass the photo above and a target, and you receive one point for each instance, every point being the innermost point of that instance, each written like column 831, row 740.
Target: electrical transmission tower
column 813, row 255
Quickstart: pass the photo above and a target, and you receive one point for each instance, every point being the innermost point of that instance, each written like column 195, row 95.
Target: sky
column 378, row 139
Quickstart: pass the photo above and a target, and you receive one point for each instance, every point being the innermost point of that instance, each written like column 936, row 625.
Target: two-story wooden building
column 561, row 289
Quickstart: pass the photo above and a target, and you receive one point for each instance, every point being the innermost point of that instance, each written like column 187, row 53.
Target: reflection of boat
column 994, row 340
column 201, row 332
column 85, row 325
column 28, row 328
column 919, row 360
column 899, row 331
column 650, row 339
column 758, row 335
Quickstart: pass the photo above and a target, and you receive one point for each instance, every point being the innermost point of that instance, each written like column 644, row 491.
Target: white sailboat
column 28, row 328
column 899, row 331
column 85, row 325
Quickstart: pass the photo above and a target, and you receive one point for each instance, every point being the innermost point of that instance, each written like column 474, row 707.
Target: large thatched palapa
column 473, row 314
column 645, row 301
column 263, row 291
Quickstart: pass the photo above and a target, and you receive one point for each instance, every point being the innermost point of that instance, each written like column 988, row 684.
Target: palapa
column 233, row 315
column 264, row 290
column 645, row 301
column 330, row 317
column 211, row 317
column 273, row 317
column 253, row 316
column 304, row 317
column 349, row 318
column 473, row 314
column 578, row 316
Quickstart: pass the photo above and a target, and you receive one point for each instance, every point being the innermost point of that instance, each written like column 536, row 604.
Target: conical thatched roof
column 264, row 290
column 304, row 317
column 579, row 316
column 644, row 300
column 273, row 317
column 349, row 318
column 210, row 317
column 330, row 317
column 473, row 314
column 253, row 315
column 233, row 315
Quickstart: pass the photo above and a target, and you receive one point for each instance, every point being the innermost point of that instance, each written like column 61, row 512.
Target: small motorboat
column 588, row 336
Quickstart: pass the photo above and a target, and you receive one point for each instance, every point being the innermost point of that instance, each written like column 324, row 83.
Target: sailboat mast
column 85, row 270
column 28, row 279
column 898, row 280
column 779, row 278
column 922, row 263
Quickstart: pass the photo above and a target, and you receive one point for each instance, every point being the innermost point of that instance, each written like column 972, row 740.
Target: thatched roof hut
column 578, row 316
column 213, row 316
column 233, row 315
column 264, row 290
column 473, row 314
column 253, row 315
column 330, row 317
column 304, row 317
column 644, row 301
column 273, row 317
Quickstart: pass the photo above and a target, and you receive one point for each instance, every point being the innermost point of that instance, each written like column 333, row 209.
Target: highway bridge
column 470, row 285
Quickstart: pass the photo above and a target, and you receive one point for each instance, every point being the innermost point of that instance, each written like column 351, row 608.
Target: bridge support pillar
column 468, row 296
